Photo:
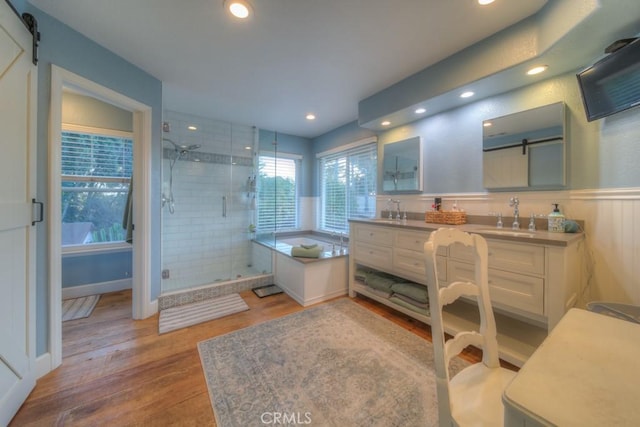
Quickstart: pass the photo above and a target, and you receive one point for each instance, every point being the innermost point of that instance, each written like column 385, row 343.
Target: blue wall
column 64, row 47
column 105, row 267
column 600, row 154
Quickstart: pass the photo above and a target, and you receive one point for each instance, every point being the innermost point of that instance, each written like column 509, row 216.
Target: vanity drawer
column 374, row 256
column 415, row 241
column 515, row 257
column 375, row 235
column 412, row 263
column 519, row 291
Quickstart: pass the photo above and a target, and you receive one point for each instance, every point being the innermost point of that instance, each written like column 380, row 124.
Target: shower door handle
column 224, row 206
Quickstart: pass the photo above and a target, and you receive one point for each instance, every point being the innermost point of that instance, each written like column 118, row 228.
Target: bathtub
column 310, row 280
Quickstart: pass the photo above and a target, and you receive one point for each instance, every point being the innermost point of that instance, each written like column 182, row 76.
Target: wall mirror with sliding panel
column 525, row 150
column 402, row 166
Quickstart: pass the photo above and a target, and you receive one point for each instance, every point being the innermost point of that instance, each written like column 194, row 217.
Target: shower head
column 182, row 148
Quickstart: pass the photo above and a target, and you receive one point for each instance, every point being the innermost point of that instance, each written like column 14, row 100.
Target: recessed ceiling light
column 192, row 127
column 386, row 123
column 485, row 2
column 241, row 9
column 537, row 70
column 420, row 110
column 466, row 94
column 487, row 124
column 247, row 147
column 311, row 116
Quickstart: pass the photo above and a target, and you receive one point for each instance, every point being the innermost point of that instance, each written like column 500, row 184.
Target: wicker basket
column 444, row 217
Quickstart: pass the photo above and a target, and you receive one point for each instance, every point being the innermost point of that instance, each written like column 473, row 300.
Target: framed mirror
column 402, row 166
column 525, row 150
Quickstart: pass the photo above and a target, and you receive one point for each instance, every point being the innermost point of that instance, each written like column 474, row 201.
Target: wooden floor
column 120, row 372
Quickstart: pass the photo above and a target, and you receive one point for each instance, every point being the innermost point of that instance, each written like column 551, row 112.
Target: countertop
column 585, row 373
column 542, row 237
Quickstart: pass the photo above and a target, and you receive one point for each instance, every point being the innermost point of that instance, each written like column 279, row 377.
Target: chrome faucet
column 514, row 202
column 397, row 202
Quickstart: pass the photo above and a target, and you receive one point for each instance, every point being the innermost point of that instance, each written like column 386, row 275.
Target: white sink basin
column 502, row 232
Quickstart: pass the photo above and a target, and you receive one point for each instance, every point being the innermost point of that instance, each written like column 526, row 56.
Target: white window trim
column 69, row 127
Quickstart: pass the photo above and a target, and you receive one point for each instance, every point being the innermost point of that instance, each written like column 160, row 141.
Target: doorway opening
column 63, row 81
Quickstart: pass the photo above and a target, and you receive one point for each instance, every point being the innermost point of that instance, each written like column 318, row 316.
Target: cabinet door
column 506, row 289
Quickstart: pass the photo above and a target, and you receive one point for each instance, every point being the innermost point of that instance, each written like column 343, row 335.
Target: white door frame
column 141, row 275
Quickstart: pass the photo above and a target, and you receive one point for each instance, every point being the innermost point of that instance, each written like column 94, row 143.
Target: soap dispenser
column 556, row 220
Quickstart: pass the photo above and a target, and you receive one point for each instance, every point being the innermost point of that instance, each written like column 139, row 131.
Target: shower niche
column 207, row 204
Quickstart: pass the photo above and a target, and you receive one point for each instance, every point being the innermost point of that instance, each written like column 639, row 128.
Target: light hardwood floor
column 120, row 372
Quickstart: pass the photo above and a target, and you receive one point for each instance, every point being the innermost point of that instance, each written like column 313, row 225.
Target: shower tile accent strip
column 212, row 291
column 204, row 157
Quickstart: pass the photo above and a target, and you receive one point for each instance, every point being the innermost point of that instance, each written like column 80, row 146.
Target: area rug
column 191, row 314
column 337, row 364
column 78, row 308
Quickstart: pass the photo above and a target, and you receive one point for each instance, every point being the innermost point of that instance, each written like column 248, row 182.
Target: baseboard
column 43, row 365
column 96, row 288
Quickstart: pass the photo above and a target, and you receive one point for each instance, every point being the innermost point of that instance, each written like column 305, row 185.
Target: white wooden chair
column 473, row 397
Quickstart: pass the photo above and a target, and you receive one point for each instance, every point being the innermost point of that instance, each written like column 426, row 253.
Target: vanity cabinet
column 531, row 285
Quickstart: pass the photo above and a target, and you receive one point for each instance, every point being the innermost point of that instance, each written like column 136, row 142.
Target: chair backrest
column 441, row 294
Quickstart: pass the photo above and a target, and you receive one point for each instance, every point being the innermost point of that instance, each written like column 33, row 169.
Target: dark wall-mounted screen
column 612, row 84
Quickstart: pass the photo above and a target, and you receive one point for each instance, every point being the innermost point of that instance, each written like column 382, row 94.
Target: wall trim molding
column 606, row 194
column 628, row 193
column 96, row 288
column 43, row 365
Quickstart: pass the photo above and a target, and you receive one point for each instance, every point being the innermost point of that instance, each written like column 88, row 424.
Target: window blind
column 277, row 193
column 348, row 188
column 93, row 155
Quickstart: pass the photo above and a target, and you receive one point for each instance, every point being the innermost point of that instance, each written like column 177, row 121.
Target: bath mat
column 265, row 291
column 78, row 308
column 191, row 314
column 335, row 364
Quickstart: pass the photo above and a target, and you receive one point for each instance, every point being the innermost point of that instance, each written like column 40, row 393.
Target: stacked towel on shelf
column 412, row 296
column 397, row 299
column 379, row 282
column 409, row 295
column 412, row 291
column 312, row 251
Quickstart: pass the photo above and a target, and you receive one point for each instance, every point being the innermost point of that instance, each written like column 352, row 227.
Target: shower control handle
column 224, row 206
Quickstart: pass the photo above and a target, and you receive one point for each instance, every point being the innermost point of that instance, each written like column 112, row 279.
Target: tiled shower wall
column 200, row 246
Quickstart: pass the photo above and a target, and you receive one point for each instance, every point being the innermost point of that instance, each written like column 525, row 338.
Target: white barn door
column 18, row 80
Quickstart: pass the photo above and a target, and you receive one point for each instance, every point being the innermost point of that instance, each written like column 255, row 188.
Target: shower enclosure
column 208, row 211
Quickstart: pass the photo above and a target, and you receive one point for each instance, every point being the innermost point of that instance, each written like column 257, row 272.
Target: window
column 96, row 173
column 277, row 192
column 348, row 184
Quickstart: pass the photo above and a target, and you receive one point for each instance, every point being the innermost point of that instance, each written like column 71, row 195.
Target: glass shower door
column 207, row 234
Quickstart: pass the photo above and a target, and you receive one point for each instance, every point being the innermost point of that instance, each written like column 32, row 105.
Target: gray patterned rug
column 337, row 364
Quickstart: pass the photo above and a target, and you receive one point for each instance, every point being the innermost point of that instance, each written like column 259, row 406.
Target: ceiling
column 291, row 58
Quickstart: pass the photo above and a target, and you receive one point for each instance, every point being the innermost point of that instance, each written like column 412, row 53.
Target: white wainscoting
column 612, row 230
